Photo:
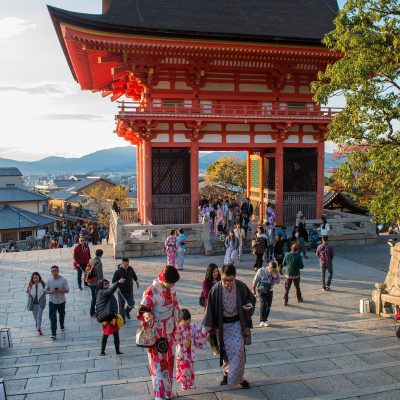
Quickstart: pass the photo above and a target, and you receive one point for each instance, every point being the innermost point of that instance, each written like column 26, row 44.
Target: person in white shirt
column 57, row 287
column 241, row 235
column 324, row 228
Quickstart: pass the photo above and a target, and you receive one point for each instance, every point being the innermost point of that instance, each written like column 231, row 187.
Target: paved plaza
column 320, row 349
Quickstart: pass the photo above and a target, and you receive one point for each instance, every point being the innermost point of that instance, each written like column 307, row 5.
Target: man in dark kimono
column 229, row 310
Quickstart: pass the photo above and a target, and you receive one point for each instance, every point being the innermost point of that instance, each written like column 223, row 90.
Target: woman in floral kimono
column 181, row 248
column 170, row 248
column 160, row 308
column 188, row 336
column 220, row 220
column 270, row 214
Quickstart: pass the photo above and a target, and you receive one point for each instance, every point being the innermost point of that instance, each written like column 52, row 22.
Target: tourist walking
column 81, row 258
column 188, row 336
column 230, row 219
column 270, row 214
column 302, row 236
column 293, row 264
column 56, row 287
column 220, row 219
column 170, row 247
column 241, row 236
column 36, row 299
column 324, row 228
column 325, row 254
column 263, row 282
column 180, row 248
column 259, row 245
column 94, row 275
column 247, row 209
column 125, row 294
column 279, row 253
column 229, row 310
column 160, row 308
column 212, row 277
column 106, row 312
column 270, row 234
column 232, row 248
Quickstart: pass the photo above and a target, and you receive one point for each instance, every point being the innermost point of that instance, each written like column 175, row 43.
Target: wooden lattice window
column 300, row 170
column 171, row 171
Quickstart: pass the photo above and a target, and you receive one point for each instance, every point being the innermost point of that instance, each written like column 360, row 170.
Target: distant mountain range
column 118, row 159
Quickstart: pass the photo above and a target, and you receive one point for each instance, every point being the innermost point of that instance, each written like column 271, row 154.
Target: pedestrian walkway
column 320, row 349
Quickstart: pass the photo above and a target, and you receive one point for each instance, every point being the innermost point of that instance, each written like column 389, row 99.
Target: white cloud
column 12, row 26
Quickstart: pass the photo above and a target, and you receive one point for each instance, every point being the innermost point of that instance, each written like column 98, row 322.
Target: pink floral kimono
column 164, row 306
column 187, row 338
column 170, row 248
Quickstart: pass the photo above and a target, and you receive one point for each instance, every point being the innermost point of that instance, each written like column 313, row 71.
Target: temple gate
column 196, row 83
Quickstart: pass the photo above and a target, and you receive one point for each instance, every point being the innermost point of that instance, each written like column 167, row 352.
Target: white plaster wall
column 309, row 139
column 292, row 139
column 180, row 138
column 237, row 127
column 252, row 87
column 210, row 138
column 263, row 139
column 227, row 87
column 163, row 85
column 161, row 138
column 237, row 138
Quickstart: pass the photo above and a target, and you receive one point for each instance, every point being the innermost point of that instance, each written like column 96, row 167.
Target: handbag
column 202, row 300
column 247, row 336
column 145, row 336
column 29, row 306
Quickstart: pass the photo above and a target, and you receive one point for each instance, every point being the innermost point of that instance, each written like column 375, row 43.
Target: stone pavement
column 320, row 349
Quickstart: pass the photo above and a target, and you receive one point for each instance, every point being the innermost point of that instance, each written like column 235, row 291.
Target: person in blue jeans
column 325, row 254
column 98, row 274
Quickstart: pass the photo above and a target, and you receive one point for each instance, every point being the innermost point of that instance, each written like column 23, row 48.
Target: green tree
column 228, row 172
column 367, row 36
column 100, row 199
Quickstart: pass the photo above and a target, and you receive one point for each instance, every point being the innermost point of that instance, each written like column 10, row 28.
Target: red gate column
column 194, row 182
column 320, row 177
column 279, row 182
column 262, row 169
column 248, row 174
column 138, row 181
column 147, row 182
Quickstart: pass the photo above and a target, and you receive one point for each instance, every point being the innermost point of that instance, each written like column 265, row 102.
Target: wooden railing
column 245, row 111
column 129, row 215
column 168, row 209
column 293, row 202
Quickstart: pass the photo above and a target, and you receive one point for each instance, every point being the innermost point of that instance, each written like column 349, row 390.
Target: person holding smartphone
column 229, row 310
column 56, row 287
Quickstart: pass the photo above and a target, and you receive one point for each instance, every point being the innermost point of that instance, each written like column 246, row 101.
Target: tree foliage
column 228, row 172
column 100, row 199
column 367, row 35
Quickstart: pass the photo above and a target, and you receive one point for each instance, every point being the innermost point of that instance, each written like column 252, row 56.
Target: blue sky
column 43, row 111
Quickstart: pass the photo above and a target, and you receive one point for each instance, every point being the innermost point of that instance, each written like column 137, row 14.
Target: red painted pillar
column 320, row 178
column 262, row 206
column 248, row 175
column 194, row 181
column 279, row 183
column 147, row 182
column 139, row 161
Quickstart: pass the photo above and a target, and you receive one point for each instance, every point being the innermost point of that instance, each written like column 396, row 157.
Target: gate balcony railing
column 225, row 111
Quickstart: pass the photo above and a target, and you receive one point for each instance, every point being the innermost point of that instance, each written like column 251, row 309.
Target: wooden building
column 210, row 76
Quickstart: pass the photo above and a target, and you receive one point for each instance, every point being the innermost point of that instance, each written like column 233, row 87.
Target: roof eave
column 59, row 15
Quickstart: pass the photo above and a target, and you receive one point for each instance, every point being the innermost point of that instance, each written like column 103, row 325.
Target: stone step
column 40, row 383
column 260, row 335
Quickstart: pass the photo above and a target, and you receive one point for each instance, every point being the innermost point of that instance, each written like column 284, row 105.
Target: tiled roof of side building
column 12, row 171
column 15, row 218
column 18, row 194
column 277, row 20
column 71, row 191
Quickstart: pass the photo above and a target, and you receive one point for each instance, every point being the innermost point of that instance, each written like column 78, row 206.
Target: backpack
column 90, row 273
column 259, row 245
column 265, row 282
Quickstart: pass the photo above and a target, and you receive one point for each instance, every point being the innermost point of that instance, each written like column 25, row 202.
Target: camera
column 162, row 345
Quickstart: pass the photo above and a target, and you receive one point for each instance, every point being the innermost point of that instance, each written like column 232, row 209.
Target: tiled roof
column 13, row 171
column 71, row 191
column 63, row 182
column 290, row 20
column 15, row 218
column 9, row 195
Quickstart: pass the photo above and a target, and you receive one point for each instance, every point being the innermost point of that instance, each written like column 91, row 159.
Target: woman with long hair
column 211, row 278
column 170, row 247
column 159, row 308
column 232, row 248
column 36, row 299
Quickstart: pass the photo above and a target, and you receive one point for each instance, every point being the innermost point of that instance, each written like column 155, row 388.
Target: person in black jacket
column 302, row 236
column 125, row 295
column 106, row 311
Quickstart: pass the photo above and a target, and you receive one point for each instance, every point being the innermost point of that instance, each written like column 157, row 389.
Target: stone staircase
column 320, row 349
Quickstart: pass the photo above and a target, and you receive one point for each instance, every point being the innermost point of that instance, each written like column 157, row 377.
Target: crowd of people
column 228, row 302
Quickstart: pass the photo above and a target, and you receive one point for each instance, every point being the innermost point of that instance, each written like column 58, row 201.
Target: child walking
column 263, row 282
column 187, row 336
